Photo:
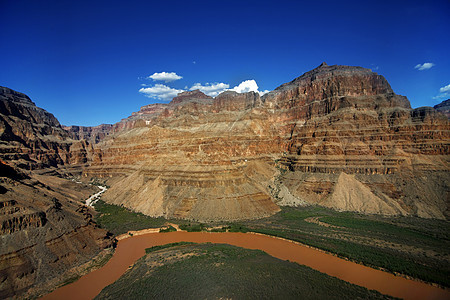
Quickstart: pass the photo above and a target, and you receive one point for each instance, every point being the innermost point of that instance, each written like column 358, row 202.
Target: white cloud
column 248, row 86
column 444, row 92
column 211, row 89
column 160, row 91
column 214, row 89
column 424, row 66
column 165, row 76
column 445, row 89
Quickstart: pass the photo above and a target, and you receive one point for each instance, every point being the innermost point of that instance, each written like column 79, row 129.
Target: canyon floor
column 218, row 271
column 408, row 246
column 334, row 159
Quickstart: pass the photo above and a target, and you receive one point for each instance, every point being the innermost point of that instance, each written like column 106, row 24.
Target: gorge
column 337, row 136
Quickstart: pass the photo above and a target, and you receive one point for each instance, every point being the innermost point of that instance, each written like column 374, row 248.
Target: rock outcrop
column 444, row 107
column 216, row 160
column 191, row 96
column 332, row 130
column 92, row 134
column 347, row 120
column 30, row 136
column 337, row 136
column 45, row 230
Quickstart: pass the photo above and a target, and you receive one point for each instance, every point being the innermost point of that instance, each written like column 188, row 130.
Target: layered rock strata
column 356, row 145
column 45, row 230
column 92, row 134
column 340, row 136
column 444, row 107
column 30, row 136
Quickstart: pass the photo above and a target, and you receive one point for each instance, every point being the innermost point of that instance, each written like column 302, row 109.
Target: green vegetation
column 212, row 271
column 411, row 246
column 160, row 247
column 195, row 227
column 169, row 228
column 120, row 220
column 237, row 228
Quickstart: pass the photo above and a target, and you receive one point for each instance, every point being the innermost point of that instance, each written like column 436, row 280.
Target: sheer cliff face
column 92, row 134
column 29, row 135
column 45, row 230
column 345, row 138
column 357, row 146
column 444, row 107
column 336, row 136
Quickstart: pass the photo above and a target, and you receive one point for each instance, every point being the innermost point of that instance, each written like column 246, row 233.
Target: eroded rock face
column 337, row 136
column 444, row 107
column 190, row 96
column 45, row 230
column 334, row 124
column 92, row 134
column 30, row 136
column 220, row 159
column 232, row 101
column 346, row 122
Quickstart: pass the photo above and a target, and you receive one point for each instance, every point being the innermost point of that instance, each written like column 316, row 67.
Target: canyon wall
column 337, row 136
column 45, row 230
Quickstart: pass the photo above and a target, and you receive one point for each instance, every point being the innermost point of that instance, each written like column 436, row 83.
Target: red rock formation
column 233, row 101
column 444, row 107
column 331, row 127
column 190, row 96
column 92, row 134
column 330, row 121
column 30, row 136
column 337, row 136
column 43, row 232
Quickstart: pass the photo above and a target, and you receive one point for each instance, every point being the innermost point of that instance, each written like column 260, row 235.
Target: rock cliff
column 92, row 134
column 30, row 136
column 45, row 230
column 339, row 134
column 444, row 107
column 347, row 121
column 336, row 136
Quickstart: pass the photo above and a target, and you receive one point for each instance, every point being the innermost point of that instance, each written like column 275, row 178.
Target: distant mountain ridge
column 336, row 136
column 444, row 107
column 45, row 230
column 331, row 123
column 219, row 158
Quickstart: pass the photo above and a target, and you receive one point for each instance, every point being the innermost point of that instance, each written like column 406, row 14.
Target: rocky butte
column 45, row 231
column 337, row 136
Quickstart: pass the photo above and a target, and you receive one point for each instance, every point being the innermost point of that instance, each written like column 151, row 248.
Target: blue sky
column 85, row 61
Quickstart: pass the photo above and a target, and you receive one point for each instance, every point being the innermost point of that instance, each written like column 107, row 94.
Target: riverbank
column 131, row 248
column 220, row 271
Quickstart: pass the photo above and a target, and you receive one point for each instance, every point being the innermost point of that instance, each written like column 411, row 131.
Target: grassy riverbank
column 120, row 220
column 412, row 246
column 215, row 271
column 416, row 247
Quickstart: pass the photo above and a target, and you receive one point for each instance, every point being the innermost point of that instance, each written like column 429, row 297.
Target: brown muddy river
column 130, row 249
